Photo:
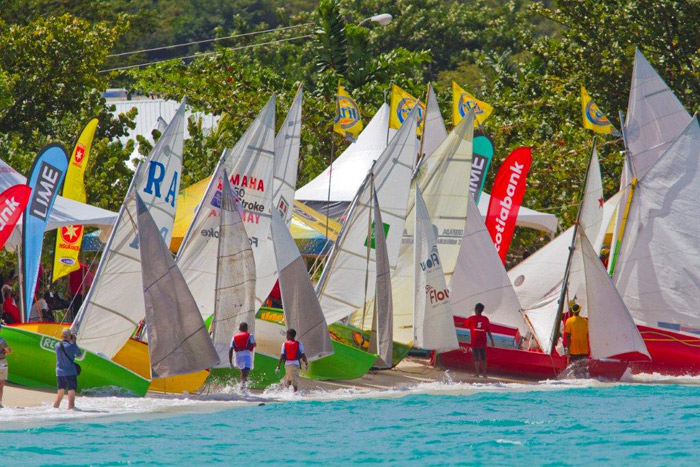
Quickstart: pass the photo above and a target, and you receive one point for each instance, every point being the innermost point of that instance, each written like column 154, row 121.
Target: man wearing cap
column 576, row 335
column 66, row 370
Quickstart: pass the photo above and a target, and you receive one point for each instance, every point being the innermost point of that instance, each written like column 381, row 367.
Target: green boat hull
column 346, row 362
column 32, row 364
column 353, row 337
column 261, row 376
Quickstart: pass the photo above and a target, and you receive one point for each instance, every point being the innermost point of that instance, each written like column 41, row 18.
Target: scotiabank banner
column 506, row 197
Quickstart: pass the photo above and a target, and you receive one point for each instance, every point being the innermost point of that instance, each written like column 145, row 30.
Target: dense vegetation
column 526, row 58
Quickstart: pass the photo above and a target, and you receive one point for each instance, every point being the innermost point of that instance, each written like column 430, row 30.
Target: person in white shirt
column 243, row 344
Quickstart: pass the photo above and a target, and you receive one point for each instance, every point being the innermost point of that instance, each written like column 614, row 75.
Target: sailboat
column 249, row 166
column 433, row 325
column 352, row 260
column 614, row 339
column 111, row 310
column 440, row 177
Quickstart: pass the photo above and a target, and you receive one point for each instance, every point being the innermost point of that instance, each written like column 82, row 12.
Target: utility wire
column 206, row 41
column 250, row 46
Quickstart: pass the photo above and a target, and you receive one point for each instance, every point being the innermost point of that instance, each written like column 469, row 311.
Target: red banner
column 506, row 196
column 12, row 204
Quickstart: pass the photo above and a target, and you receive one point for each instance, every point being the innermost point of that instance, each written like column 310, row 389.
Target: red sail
column 506, row 197
column 12, row 204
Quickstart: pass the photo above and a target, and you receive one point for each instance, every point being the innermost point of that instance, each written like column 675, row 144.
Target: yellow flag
column 348, row 121
column 593, row 118
column 463, row 102
column 69, row 238
column 401, row 105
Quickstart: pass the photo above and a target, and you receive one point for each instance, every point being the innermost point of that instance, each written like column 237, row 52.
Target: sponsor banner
column 481, row 161
column 348, row 120
column 506, row 197
column 13, row 201
column 45, row 179
column 69, row 238
column 401, row 105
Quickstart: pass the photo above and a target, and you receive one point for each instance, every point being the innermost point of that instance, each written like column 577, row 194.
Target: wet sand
column 410, row 372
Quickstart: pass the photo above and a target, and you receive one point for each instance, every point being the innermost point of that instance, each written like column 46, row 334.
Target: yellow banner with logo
column 69, row 238
column 463, row 102
column 348, row 121
column 593, row 118
column 401, row 105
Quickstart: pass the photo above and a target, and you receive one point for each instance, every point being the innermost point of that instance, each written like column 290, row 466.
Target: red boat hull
column 511, row 362
column 672, row 353
column 525, row 364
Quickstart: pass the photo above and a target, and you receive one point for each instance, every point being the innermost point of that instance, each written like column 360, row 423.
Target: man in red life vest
column 243, row 344
column 479, row 326
column 292, row 356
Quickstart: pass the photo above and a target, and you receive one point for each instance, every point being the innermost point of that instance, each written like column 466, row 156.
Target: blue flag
column 45, row 179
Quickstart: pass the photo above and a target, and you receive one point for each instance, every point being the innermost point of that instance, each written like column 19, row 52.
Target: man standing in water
column 576, row 338
column 4, row 350
column 292, row 355
column 66, row 370
column 479, row 327
column 243, row 344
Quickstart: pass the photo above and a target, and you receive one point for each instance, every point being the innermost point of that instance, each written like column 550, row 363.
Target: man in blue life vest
column 243, row 344
column 292, row 356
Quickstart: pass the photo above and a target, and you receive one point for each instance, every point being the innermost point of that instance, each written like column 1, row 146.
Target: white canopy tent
column 65, row 211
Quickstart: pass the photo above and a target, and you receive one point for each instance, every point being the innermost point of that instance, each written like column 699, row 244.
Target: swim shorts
column 244, row 361
column 67, row 382
column 291, row 374
column 3, row 372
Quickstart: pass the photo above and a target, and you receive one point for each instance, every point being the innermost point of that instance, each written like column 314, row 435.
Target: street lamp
column 381, row 19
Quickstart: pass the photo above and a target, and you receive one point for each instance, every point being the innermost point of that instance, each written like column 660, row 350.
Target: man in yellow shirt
column 576, row 335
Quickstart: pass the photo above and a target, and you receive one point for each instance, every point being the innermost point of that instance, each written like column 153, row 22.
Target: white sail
column 381, row 340
column 302, row 311
column 112, row 308
column 235, row 277
column 591, row 217
column 434, row 132
column 479, row 276
column 287, row 144
column 541, row 274
column 655, row 116
column 178, row 341
column 340, row 287
column 433, row 327
column 611, row 329
column 441, row 178
column 658, row 269
column 250, row 166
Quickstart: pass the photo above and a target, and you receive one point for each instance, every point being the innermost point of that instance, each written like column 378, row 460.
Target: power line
column 250, row 46
column 206, row 41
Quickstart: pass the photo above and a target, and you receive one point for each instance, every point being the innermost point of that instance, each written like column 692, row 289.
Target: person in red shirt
column 10, row 310
column 479, row 327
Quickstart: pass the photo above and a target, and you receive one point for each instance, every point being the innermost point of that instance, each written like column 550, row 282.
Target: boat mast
column 628, row 202
column 565, row 283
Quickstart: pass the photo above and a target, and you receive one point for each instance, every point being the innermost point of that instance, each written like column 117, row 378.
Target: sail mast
column 565, row 283
column 628, row 201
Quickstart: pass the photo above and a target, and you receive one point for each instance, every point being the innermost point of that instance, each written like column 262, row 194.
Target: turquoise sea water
column 623, row 424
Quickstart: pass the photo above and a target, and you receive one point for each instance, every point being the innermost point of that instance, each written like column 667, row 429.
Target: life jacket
column 241, row 341
column 291, row 351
